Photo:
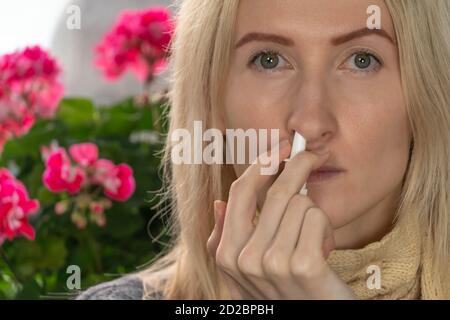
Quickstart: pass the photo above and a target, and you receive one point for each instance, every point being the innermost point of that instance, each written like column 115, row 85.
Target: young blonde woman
column 373, row 106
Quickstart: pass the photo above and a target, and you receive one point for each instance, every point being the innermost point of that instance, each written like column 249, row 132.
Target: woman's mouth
column 323, row 174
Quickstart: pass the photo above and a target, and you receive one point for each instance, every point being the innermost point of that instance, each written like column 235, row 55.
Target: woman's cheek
column 254, row 98
column 374, row 147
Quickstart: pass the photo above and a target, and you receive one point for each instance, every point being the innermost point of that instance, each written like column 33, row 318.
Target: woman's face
column 314, row 67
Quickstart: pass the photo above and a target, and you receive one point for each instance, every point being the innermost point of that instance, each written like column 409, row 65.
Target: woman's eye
column 363, row 61
column 268, row 60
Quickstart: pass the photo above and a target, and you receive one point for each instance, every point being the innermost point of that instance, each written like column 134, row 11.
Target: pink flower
column 85, row 154
column 100, row 219
column 138, row 41
column 61, row 207
column 120, row 184
column 60, row 175
column 31, row 77
column 118, row 181
column 79, row 220
column 102, row 170
column 96, row 207
column 15, row 208
column 46, row 102
column 93, row 174
column 15, row 120
column 29, row 89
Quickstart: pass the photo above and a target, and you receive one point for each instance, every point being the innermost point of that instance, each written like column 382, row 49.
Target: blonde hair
column 423, row 33
column 200, row 58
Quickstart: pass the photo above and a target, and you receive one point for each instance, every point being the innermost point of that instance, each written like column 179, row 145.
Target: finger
column 241, row 207
column 288, row 233
column 214, row 239
column 308, row 261
column 308, row 264
column 236, row 291
column 250, row 260
column 221, row 207
column 315, row 230
column 287, row 185
column 276, row 260
column 242, row 199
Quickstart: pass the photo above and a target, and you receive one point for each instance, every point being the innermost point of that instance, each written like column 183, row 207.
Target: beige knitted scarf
column 399, row 261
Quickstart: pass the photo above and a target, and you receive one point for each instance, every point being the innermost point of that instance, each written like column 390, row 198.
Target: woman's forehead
column 309, row 19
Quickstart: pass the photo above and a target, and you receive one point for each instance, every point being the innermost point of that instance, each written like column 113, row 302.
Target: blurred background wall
column 43, row 22
column 25, row 22
column 74, row 48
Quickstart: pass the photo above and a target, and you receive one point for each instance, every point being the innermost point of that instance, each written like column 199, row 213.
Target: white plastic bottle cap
column 298, row 145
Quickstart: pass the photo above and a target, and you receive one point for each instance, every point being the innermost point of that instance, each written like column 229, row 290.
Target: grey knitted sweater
column 124, row 288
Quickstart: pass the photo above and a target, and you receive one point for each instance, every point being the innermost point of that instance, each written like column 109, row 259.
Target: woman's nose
column 312, row 113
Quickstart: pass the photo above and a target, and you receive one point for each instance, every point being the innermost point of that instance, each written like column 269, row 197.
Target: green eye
column 268, row 61
column 363, row 60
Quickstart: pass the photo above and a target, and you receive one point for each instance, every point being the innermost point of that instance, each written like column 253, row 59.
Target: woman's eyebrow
column 361, row 33
column 258, row 36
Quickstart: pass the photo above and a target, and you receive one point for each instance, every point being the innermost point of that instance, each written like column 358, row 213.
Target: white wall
column 28, row 22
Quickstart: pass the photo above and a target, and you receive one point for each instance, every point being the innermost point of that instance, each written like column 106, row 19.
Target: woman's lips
column 321, row 176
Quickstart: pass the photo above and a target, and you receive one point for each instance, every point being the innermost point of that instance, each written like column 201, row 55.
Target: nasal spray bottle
column 298, row 145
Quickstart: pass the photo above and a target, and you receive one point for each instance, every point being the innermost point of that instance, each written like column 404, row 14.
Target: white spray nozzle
column 298, row 145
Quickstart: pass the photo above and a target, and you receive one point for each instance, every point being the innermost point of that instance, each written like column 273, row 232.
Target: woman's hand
column 284, row 256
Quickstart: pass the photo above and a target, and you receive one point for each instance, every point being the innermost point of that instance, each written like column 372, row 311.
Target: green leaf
column 54, row 253
column 76, row 111
column 30, row 290
column 119, row 247
column 79, row 116
column 122, row 221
